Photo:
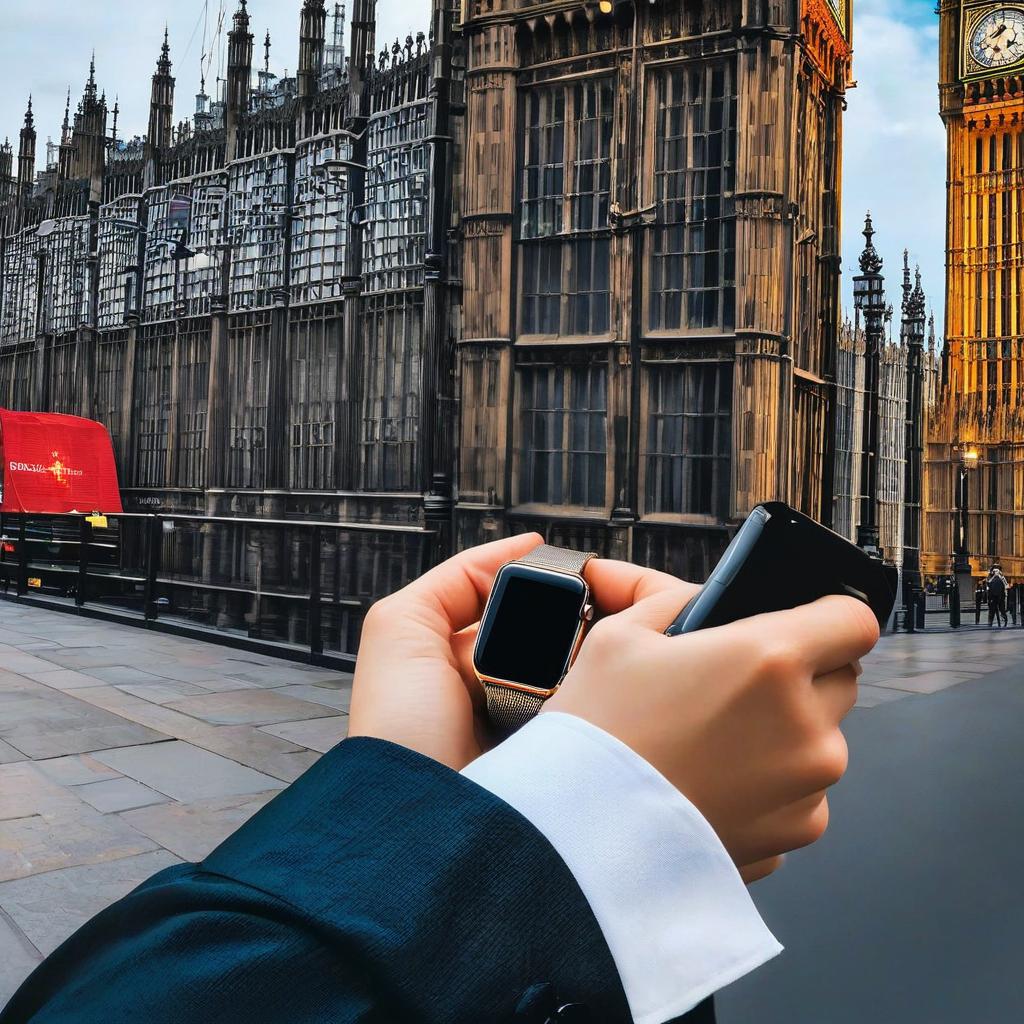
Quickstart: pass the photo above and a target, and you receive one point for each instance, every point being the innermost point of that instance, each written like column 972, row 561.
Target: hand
column 414, row 681
column 742, row 719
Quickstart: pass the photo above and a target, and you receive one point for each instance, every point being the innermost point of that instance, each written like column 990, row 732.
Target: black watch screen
column 530, row 627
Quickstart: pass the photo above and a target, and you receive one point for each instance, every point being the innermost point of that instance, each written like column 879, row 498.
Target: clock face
column 998, row 39
column 839, row 10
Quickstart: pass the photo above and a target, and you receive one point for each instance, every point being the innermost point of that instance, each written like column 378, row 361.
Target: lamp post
column 913, row 335
column 869, row 299
column 968, row 459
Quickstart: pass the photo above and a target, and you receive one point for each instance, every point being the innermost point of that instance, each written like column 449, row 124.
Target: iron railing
column 300, row 588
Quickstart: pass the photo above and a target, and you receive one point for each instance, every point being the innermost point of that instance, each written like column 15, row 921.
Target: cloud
column 895, row 147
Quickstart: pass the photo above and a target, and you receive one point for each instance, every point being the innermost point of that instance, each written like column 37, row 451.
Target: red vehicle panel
column 54, row 463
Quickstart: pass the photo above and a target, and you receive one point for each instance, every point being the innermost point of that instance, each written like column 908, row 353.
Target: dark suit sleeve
column 379, row 887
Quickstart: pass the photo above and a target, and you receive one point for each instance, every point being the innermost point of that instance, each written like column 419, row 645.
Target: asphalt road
column 911, row 909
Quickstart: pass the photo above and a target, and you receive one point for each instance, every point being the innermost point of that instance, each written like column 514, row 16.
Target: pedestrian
column 996, row 587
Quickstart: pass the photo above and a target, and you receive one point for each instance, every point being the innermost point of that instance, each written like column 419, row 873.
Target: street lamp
column 869, row 299
column 969, row 458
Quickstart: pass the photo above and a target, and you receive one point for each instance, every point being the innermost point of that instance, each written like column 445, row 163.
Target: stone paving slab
column 247, row 707
column 118, row 794
column 42, row 722
column 75, row 770
column 192, row 830
column 49, row 907
column 184, row 772
column 319, row 734
column 80, row 835
column 18, row 957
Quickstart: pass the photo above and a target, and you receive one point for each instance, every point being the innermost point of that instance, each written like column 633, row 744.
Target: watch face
column 530, row 627
column 998, row 38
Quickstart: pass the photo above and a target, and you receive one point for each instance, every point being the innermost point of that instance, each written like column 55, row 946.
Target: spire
column 163, row 64
column 906, row 279
column 870, row 261
column 90, row 85
column 915, row 305
column 931, row 334
column 239, row 78
column 27, row 152
column 117, row 111
column 312, row 33
column 161, row 110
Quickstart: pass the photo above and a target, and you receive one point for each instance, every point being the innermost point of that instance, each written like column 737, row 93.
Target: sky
column 894, row 150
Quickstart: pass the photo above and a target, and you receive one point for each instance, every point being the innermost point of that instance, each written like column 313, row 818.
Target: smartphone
column 781, row 559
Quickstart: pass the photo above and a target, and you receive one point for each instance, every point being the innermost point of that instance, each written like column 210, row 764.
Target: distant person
column 996, row 588
column 944, row 591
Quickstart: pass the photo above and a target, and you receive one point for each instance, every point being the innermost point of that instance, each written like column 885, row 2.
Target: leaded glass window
column 396, row 195
column 120, row 235
column 693, row 260
column 320, row 226
column 563, row 434
column 688, row 441
column 260, row 202
column 391, row 393
column 564, row 228
column 152, row 399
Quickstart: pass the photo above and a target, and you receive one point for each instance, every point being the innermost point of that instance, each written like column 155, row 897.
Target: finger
column 620, row 585
column 762, row 869
column 837, row 693
column 458, row 588
column 826, row 635
column 660, row 610
column 793, row 827
column 463, row 643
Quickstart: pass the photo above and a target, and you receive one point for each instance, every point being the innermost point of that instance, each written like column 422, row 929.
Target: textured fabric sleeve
column 380, row 887
column 676, row 915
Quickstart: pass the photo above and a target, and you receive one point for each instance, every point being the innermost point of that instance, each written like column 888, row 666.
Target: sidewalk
column 123, row 751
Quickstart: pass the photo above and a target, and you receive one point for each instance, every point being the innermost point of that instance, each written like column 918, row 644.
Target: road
column 911, row 909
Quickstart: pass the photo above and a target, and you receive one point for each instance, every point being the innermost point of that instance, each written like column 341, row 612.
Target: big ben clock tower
column 976, row 454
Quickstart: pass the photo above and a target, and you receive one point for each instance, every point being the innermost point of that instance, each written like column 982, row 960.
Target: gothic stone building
column 562, row 265
column 651, row 238
column 256, row 303
column 981, row 412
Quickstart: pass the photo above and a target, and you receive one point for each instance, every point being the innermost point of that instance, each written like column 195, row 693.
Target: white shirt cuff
column 670, row 903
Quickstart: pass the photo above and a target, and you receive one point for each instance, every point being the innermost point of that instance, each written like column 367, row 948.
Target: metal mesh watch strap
column 511, row 709
column 549, row 557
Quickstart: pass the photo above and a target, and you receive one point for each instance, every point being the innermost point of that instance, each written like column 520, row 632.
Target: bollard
column 954, row 608
column 977, row 607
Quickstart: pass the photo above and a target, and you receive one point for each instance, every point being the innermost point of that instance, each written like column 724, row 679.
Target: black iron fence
column 302, row 587
column 943, row 611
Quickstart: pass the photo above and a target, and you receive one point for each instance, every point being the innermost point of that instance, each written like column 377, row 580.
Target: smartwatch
column 531, row 632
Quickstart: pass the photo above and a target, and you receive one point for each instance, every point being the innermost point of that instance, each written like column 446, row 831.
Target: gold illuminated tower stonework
column 975, row 469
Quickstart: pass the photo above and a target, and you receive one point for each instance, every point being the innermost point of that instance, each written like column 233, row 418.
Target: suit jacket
column 380, row 887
